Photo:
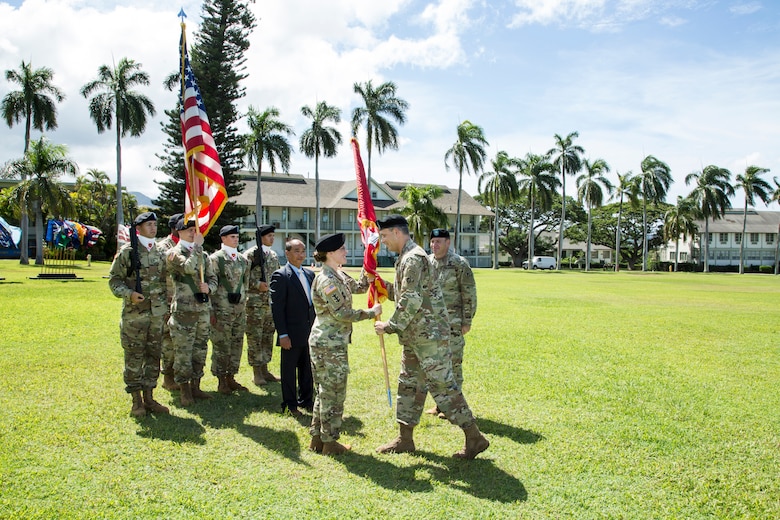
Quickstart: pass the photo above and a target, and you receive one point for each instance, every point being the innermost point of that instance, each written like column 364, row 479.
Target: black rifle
column 259, row 258
column 135, row 259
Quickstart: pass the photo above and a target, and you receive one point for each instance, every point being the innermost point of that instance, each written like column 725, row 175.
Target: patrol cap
column 265, row 229
column 330, row 242
column 440, row 233
column 144, row 217
column 181, row 225
column 228, row 230
column 174, row 219
column 391, row 221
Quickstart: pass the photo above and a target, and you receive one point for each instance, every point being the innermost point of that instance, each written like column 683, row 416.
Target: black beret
column 391, row 221
column 174, row 219
column 181, row 225
column 440, row 233
column 330, row 242
column 265, row 229
column 145, row 217
column 228, row 230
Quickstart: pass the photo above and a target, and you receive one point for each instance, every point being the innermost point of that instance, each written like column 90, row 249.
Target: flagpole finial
column 182, row 14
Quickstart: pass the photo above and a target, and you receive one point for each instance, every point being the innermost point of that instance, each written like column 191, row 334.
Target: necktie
column 304, row 283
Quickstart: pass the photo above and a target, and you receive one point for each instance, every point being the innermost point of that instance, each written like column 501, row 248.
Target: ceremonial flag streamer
column 206, row 195
column 369, row 232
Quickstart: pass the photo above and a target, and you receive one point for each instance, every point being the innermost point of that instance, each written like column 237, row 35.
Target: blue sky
column 693, row 82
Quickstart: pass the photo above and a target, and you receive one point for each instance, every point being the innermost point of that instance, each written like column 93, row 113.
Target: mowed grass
column 604, row 395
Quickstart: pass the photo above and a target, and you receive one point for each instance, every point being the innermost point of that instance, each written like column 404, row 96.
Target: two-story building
column 289, row 204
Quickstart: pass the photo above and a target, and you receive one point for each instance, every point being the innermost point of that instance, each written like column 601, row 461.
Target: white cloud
column 745, row 8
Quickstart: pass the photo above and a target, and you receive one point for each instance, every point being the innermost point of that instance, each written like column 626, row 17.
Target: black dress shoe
column 295, row 412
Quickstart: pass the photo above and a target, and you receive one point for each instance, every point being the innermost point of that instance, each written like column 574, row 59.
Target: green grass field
column 604, row 395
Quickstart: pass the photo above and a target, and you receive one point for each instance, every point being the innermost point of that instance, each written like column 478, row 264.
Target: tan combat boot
column 258, row 379
column 223, row 387
column 168, row 382
column 235, row 385
column 151, row 405
column 334, row 448
column 316, row 444
column 186, row 394
column 197, row 393
column 403, row 444
column 268, row 376
column 476, row 443
column 138, row 409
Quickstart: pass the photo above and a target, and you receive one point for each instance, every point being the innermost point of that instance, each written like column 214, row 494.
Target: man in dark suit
column 293, row 317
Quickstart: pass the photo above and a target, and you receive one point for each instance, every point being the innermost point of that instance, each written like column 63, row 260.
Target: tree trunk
column 742, row 242
column 644, row 233
column 317, row 193
column 120, row 212
column 617, row 236
column 38, row 232
column 495, row 235
column 259, row 198
column 587, row 245
column 531, row 233
column 706, row 245
column 457, row 216
column 563, row 216
column 676, row 252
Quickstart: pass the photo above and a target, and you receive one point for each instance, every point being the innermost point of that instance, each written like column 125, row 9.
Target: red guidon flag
column 206, row 195
column 369, row 232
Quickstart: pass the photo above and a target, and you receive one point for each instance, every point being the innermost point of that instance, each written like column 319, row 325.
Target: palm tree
column 41, row 190
column 35, row 104
column 421, row 212
column 754, row 186
column 380, row 106
column 317, row 140
column 536, row 181
column 628, row 186
column 711, row 196
column 467, row 154
column 590, row 192
column 567, row 158
column 500, row 188
column 116, row 103
column 680, row 220
column 267, row 139
column 654, row 182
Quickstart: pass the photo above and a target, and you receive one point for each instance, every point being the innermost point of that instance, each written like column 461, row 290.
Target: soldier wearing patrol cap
column 137, row 276
column 190, row 309
column 263, row 261
column 330, row 335
column 164, row 245
column 459, row 289
column 421, row 322
column 228, row 310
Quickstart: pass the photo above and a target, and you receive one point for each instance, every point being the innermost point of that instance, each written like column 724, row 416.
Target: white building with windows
column 289, row 204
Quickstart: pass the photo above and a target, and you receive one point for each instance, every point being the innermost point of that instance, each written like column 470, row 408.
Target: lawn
column 604, row 395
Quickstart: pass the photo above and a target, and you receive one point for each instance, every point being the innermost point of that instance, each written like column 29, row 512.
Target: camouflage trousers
column 167, row 348
column 259, row 334
column 330, row 368
column 141, row 338
column 190, row 335
column 227, row 340
column 428, row 364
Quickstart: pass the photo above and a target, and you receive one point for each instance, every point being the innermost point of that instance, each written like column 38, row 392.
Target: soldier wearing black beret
column 165, row 245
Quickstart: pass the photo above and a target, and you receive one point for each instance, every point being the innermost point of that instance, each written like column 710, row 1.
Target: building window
column 724, row 238
column 709, row 238
column 754, row 238
column 683, row 257
column 671, row 256
column 737, row 238
column 770, row 239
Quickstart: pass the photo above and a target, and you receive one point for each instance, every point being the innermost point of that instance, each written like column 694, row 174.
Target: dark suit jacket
column 290, row 307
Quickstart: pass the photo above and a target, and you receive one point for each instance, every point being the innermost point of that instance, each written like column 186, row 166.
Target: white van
column 541, row 262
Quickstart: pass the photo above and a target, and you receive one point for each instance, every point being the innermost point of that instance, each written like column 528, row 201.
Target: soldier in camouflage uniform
column 190, row 310
column 143, row 312
column 331, row 295
column 164, row 245
column 459, row 289
column 228, row 311
column 259, row 319
column 421, row 322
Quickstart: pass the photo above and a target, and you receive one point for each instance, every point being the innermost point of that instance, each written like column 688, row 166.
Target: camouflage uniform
column 456, row 280
column 227, row 331
column 165, row 245
column 259, row 320
column 421, row 322
column 331, row 295
column 189, row 321
column 141, row 326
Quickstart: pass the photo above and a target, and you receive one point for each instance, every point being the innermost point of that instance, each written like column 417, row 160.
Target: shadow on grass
column 513, row 433
column 479, row 477
column 172, row 428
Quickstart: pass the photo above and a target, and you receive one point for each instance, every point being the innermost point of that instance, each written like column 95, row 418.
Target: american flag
column 205, row 186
